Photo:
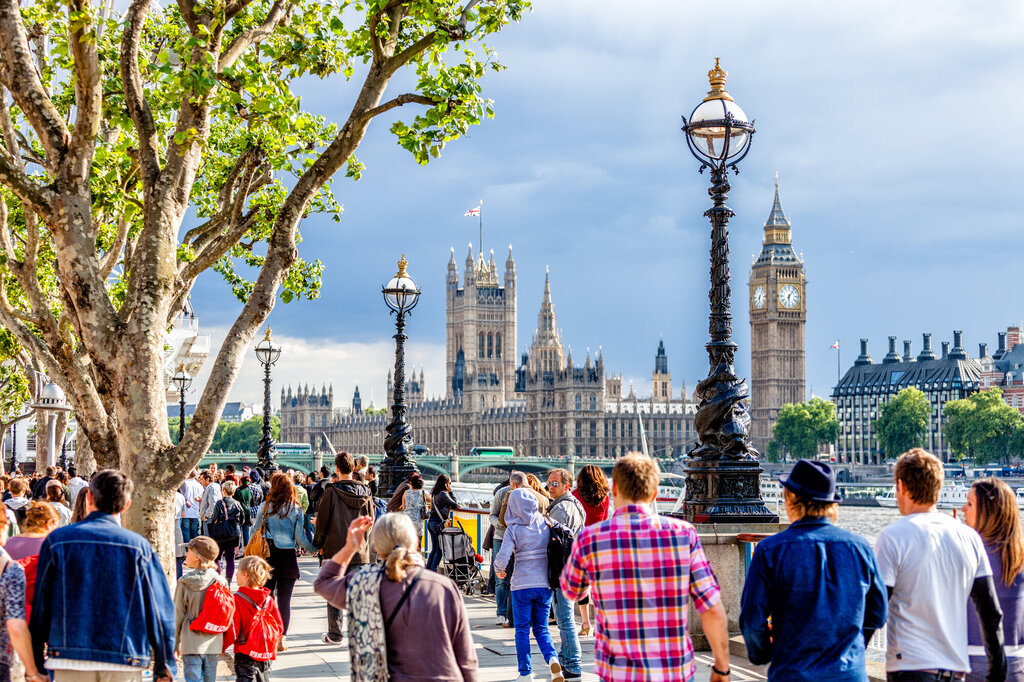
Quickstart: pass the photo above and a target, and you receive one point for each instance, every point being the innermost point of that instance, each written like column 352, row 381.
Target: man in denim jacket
column 102, row 604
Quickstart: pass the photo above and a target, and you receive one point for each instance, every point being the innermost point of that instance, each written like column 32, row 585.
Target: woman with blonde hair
column 991, row 509
column 404, row 621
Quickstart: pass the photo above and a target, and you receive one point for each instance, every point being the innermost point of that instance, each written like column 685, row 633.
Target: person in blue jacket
column 814, row 593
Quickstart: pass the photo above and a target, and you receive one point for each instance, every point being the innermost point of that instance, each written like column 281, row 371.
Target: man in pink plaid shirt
column 642, row 570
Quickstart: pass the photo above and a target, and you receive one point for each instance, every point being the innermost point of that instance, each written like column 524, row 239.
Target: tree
column 121, row 124
column 772, row 451
column 902, row 422
column 983, row 427
column 234, row 436
column 801, row 428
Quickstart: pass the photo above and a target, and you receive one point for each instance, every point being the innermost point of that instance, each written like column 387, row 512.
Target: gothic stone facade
column 546, row 406
column 778, row 315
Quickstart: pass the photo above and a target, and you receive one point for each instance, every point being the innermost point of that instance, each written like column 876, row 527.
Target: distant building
column 1005, row 369
column 868, row 385
column 233, row 412
column 545, row 406
column 778, row 316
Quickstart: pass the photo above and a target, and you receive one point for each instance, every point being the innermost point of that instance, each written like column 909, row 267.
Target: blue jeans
column 189, row 529
column 307, row 527
column 434, row 527
column 532, row 606
column 500, row 584
column 569, row 653
column 246, row 531
column 200, row 668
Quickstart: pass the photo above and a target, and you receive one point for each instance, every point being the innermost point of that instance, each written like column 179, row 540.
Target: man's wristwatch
column 723, row 673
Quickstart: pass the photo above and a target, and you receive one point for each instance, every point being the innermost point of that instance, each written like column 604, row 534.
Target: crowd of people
column 86, row 600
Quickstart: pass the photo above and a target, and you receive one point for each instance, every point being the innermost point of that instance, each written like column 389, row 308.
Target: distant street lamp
column 268, row 353
column 401, row 295
column 182, row 380
column 723, row 476
column 50, row 402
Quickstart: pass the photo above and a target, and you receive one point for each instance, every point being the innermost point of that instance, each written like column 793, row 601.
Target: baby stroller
column 459, row 561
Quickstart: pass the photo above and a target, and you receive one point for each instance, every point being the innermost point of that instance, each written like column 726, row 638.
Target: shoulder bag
column 258, row 545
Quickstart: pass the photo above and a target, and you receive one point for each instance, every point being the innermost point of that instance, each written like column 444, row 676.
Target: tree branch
column 109, row 259
column 135, row 99
column 88, row 97
column 18, row 73
column 34, row 197
column 279, row 11
column 407, row 98
column 393, row 64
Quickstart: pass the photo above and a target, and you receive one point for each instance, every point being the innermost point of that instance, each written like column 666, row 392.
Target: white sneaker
column 500, row 620
column 525, row 678
column 556, row 670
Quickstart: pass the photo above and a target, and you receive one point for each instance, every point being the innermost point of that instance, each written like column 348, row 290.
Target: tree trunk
column 42, row 439
column 151, row 515
column 85, row 461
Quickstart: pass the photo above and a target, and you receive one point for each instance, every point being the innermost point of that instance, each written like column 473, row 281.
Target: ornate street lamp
column 50, row 402
column 182, row 381
column 723, row 475
column 268, row 353
column 401, row 295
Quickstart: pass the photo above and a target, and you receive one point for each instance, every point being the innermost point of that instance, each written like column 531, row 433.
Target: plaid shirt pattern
column 642, row 570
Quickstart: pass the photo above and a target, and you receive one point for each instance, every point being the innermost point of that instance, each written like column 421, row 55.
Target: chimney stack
column 926, row 350
column 907, row 357
column 892, row 356
column 958, row 352
column 945, row 349
column 864, row 358
column 1001, row 351
column 982, row 351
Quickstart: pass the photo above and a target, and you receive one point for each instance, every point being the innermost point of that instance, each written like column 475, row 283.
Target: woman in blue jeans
column 443, row 503
column 526, row 535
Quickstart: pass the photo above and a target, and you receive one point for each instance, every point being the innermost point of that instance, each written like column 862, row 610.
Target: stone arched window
column 579, row 402
column 497, row 345
column 593, row 401
column 490, row 345
column 480, row 346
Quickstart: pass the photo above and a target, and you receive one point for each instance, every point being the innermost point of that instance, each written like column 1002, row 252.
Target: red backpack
column 218, row 610
column 259, row 640
column 29, row 563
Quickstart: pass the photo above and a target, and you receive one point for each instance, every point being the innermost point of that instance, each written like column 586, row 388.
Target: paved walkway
column 308, row 658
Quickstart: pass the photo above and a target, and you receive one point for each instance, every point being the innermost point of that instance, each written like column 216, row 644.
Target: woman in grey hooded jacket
column 527, row 535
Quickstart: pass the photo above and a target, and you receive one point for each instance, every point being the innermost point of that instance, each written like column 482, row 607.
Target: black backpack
column 559, row 548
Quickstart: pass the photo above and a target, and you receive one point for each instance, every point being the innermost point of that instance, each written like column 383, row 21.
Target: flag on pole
column 836, row 344
column 473, row 211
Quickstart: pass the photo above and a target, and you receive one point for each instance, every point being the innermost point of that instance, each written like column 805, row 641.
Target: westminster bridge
column 455, row 466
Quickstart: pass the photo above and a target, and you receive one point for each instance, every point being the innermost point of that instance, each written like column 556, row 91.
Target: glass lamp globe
column 267, row 351
column 181, row 379
column 718, row 130
column 401, row 294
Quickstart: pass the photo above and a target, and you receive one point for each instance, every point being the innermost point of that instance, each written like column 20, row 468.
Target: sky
column 892, row 126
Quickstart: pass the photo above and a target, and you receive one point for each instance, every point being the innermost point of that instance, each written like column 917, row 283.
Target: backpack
column 30, row 564
column 560, row 541
column 380, row 508
column 226, row 525
column 256, row 500
column 259, row 641
column 218, row 611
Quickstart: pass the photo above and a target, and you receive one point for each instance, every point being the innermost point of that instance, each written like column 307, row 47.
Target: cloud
column 324, row 362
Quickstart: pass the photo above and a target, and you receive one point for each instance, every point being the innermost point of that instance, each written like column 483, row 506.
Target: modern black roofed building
column 867, row 385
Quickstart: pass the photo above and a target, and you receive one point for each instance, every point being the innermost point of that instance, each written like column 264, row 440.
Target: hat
column 254, row 476
column 205, row 547
column 811, row 480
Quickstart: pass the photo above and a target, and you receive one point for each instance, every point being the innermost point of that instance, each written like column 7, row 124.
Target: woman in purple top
column 991, row 509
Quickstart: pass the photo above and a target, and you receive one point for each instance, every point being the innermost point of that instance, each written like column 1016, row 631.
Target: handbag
column 223, row 529
column 488, row 543
column 258, row 545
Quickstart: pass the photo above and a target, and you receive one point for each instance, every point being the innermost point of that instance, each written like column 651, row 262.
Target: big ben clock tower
column 778, row 313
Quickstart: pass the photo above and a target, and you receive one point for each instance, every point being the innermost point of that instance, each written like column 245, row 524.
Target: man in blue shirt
column 814, row 594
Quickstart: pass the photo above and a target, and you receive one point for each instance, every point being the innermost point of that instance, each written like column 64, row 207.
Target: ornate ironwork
column 266, row 455
column 397, row 465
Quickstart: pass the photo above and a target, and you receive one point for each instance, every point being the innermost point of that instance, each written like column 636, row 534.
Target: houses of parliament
column 543, row 403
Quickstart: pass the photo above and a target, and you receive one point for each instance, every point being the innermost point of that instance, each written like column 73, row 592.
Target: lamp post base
column 725, row 491
column 392, row 474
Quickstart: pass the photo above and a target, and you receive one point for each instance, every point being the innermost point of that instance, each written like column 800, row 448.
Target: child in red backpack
column 198, row 650
column 257, row 626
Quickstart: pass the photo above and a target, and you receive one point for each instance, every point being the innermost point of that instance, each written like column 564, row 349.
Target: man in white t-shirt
column 192, row 491
column 932, row 564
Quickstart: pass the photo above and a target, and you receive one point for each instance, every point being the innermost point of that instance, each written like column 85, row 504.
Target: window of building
column 497, row 345
column 579, row 429
column 664, row 390
column 579, row 402
column 593, row 401
column 480, row 346
column 490, row 345
column 312, row 420
column 323, row 420
column 593, row 429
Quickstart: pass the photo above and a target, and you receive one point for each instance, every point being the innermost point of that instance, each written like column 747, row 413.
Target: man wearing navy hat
column 814, row 593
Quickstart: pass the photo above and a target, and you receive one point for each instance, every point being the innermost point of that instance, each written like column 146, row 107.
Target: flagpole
column 480, row 215
column 839, row 364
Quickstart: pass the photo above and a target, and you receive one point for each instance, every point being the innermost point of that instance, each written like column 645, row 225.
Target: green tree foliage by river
column 982, row 427
column 235, row 436
column 803, row 427
column 902, row 422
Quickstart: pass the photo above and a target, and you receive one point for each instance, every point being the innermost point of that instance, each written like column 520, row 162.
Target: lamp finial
column 401, row 267
column 717, row 77
column 266, row 336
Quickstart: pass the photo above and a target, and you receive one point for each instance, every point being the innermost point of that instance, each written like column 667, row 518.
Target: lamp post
column 723, row 475
column 401, row 295
column 268, row 353
column 51, row 401
column 181, row 380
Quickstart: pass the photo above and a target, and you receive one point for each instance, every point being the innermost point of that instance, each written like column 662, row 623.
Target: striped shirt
column 642, row 570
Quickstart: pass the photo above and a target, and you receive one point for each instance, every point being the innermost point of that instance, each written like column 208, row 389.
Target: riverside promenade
column 310, row 659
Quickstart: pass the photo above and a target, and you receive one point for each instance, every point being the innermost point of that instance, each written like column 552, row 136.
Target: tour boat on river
column 952, row 496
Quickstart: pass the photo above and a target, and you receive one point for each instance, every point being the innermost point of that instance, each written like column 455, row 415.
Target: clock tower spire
column 778, row 315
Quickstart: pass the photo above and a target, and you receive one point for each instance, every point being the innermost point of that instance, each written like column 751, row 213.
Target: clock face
column 759, row 297
column 789, row 296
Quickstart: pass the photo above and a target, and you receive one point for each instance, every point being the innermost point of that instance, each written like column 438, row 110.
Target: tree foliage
column 982, row 427
column 902, row 422
column 802, row 428
column 141, row 149
column 241, row 436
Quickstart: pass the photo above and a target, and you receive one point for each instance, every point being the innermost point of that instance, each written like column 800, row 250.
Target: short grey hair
column 227, row 488
column 518, row 478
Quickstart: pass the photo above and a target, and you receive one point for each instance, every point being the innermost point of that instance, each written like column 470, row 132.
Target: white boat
column 888, row 499
column 952, row 496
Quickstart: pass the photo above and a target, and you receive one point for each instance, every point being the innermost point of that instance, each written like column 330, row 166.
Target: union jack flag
column 473, row 211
